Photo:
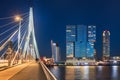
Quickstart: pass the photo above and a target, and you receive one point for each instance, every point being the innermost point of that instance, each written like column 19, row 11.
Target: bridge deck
column 28, row 71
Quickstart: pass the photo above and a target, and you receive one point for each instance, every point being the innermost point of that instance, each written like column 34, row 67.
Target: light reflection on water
column 86, row 72
column 115, row 72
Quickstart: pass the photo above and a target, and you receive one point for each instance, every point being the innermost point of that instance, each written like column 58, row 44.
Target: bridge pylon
column 30, row 40
column 31, row 35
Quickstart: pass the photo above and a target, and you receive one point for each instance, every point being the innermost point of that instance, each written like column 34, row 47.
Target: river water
column 86, row 72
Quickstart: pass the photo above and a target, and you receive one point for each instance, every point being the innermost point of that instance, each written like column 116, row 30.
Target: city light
column 115, row 62
column 83, row 49
column 17, row 18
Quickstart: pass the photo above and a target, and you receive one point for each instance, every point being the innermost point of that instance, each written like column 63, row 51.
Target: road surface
column 33, row 71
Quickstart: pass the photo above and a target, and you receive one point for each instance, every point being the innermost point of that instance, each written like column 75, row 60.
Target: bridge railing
column 47, row 72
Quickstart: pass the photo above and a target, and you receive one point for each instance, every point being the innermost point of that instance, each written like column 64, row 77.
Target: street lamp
column 18, row 19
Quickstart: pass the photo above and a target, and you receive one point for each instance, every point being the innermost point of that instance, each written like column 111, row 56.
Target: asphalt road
column 32, row 72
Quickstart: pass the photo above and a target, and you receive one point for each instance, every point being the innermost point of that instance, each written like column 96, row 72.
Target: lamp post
column 19, row 19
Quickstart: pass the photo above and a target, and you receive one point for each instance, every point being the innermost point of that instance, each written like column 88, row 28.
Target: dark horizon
column 51, row 18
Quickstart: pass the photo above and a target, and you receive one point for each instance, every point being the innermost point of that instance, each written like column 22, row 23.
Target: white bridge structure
column 17, row 40
column 18, row 45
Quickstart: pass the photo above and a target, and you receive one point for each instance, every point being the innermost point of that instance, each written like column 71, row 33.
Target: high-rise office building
column 91, row 41
column 70, row 41
column 55, row 51
column 52, row 49
column 106, row 44
column 81, row 41
column 76, row 41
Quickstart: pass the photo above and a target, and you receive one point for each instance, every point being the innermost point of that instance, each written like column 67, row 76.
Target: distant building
column 106, row 45
column 91, row 41
column 115, row 58
column 76, row 40
column 47, row 61
column 70, row 41
column 80, row 41
column 55, row 51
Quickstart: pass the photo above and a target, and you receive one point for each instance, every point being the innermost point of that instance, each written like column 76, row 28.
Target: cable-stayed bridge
column 17, row 46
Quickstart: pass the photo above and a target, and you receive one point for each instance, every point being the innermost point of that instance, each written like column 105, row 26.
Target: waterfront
column 86, row 72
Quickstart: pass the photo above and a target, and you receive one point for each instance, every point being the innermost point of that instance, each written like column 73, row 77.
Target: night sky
column 52, row 16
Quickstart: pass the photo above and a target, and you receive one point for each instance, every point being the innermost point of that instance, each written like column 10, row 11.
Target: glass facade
column 106, row 44
column 55, row 51
column 70, row 40
column 71, row 33
column 81, row 42
column 92, row 34
column 76, row 41
column 91, row 41
column 70, row 49
column 90, row 50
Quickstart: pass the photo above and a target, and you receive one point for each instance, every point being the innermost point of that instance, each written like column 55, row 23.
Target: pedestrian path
column 33, row 71
column 8, row 73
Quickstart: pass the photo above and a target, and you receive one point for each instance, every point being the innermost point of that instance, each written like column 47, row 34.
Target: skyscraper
column 81, row 41
column 55, row 51
column 91, row 41
column 76, row 41
column 106, row 44
column 70, row 40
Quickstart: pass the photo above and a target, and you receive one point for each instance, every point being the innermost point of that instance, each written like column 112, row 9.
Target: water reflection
column 77, row 72
column 114, row 72
column 100, row 68
column 86, row 72
column 70, row 72
column 59, row 72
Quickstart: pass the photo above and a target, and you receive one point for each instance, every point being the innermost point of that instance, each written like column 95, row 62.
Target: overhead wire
column 17, row 50
column 8, row 37
column 13, row 27
column 13, row 16
column 7, row 24
column 15, row 43
column 12, row 22
column 15, row 47
column 23, row 30
column 9, row 29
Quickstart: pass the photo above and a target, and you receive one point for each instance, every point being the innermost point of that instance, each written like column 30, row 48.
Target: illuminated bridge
column 19, row 55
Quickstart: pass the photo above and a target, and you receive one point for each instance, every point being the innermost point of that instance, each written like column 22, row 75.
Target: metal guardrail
column 47, row 72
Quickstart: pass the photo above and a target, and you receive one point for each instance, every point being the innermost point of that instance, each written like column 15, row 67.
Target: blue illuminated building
column 80, row 41
column 91, row 41
column 70, row 40
column 76, row 41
